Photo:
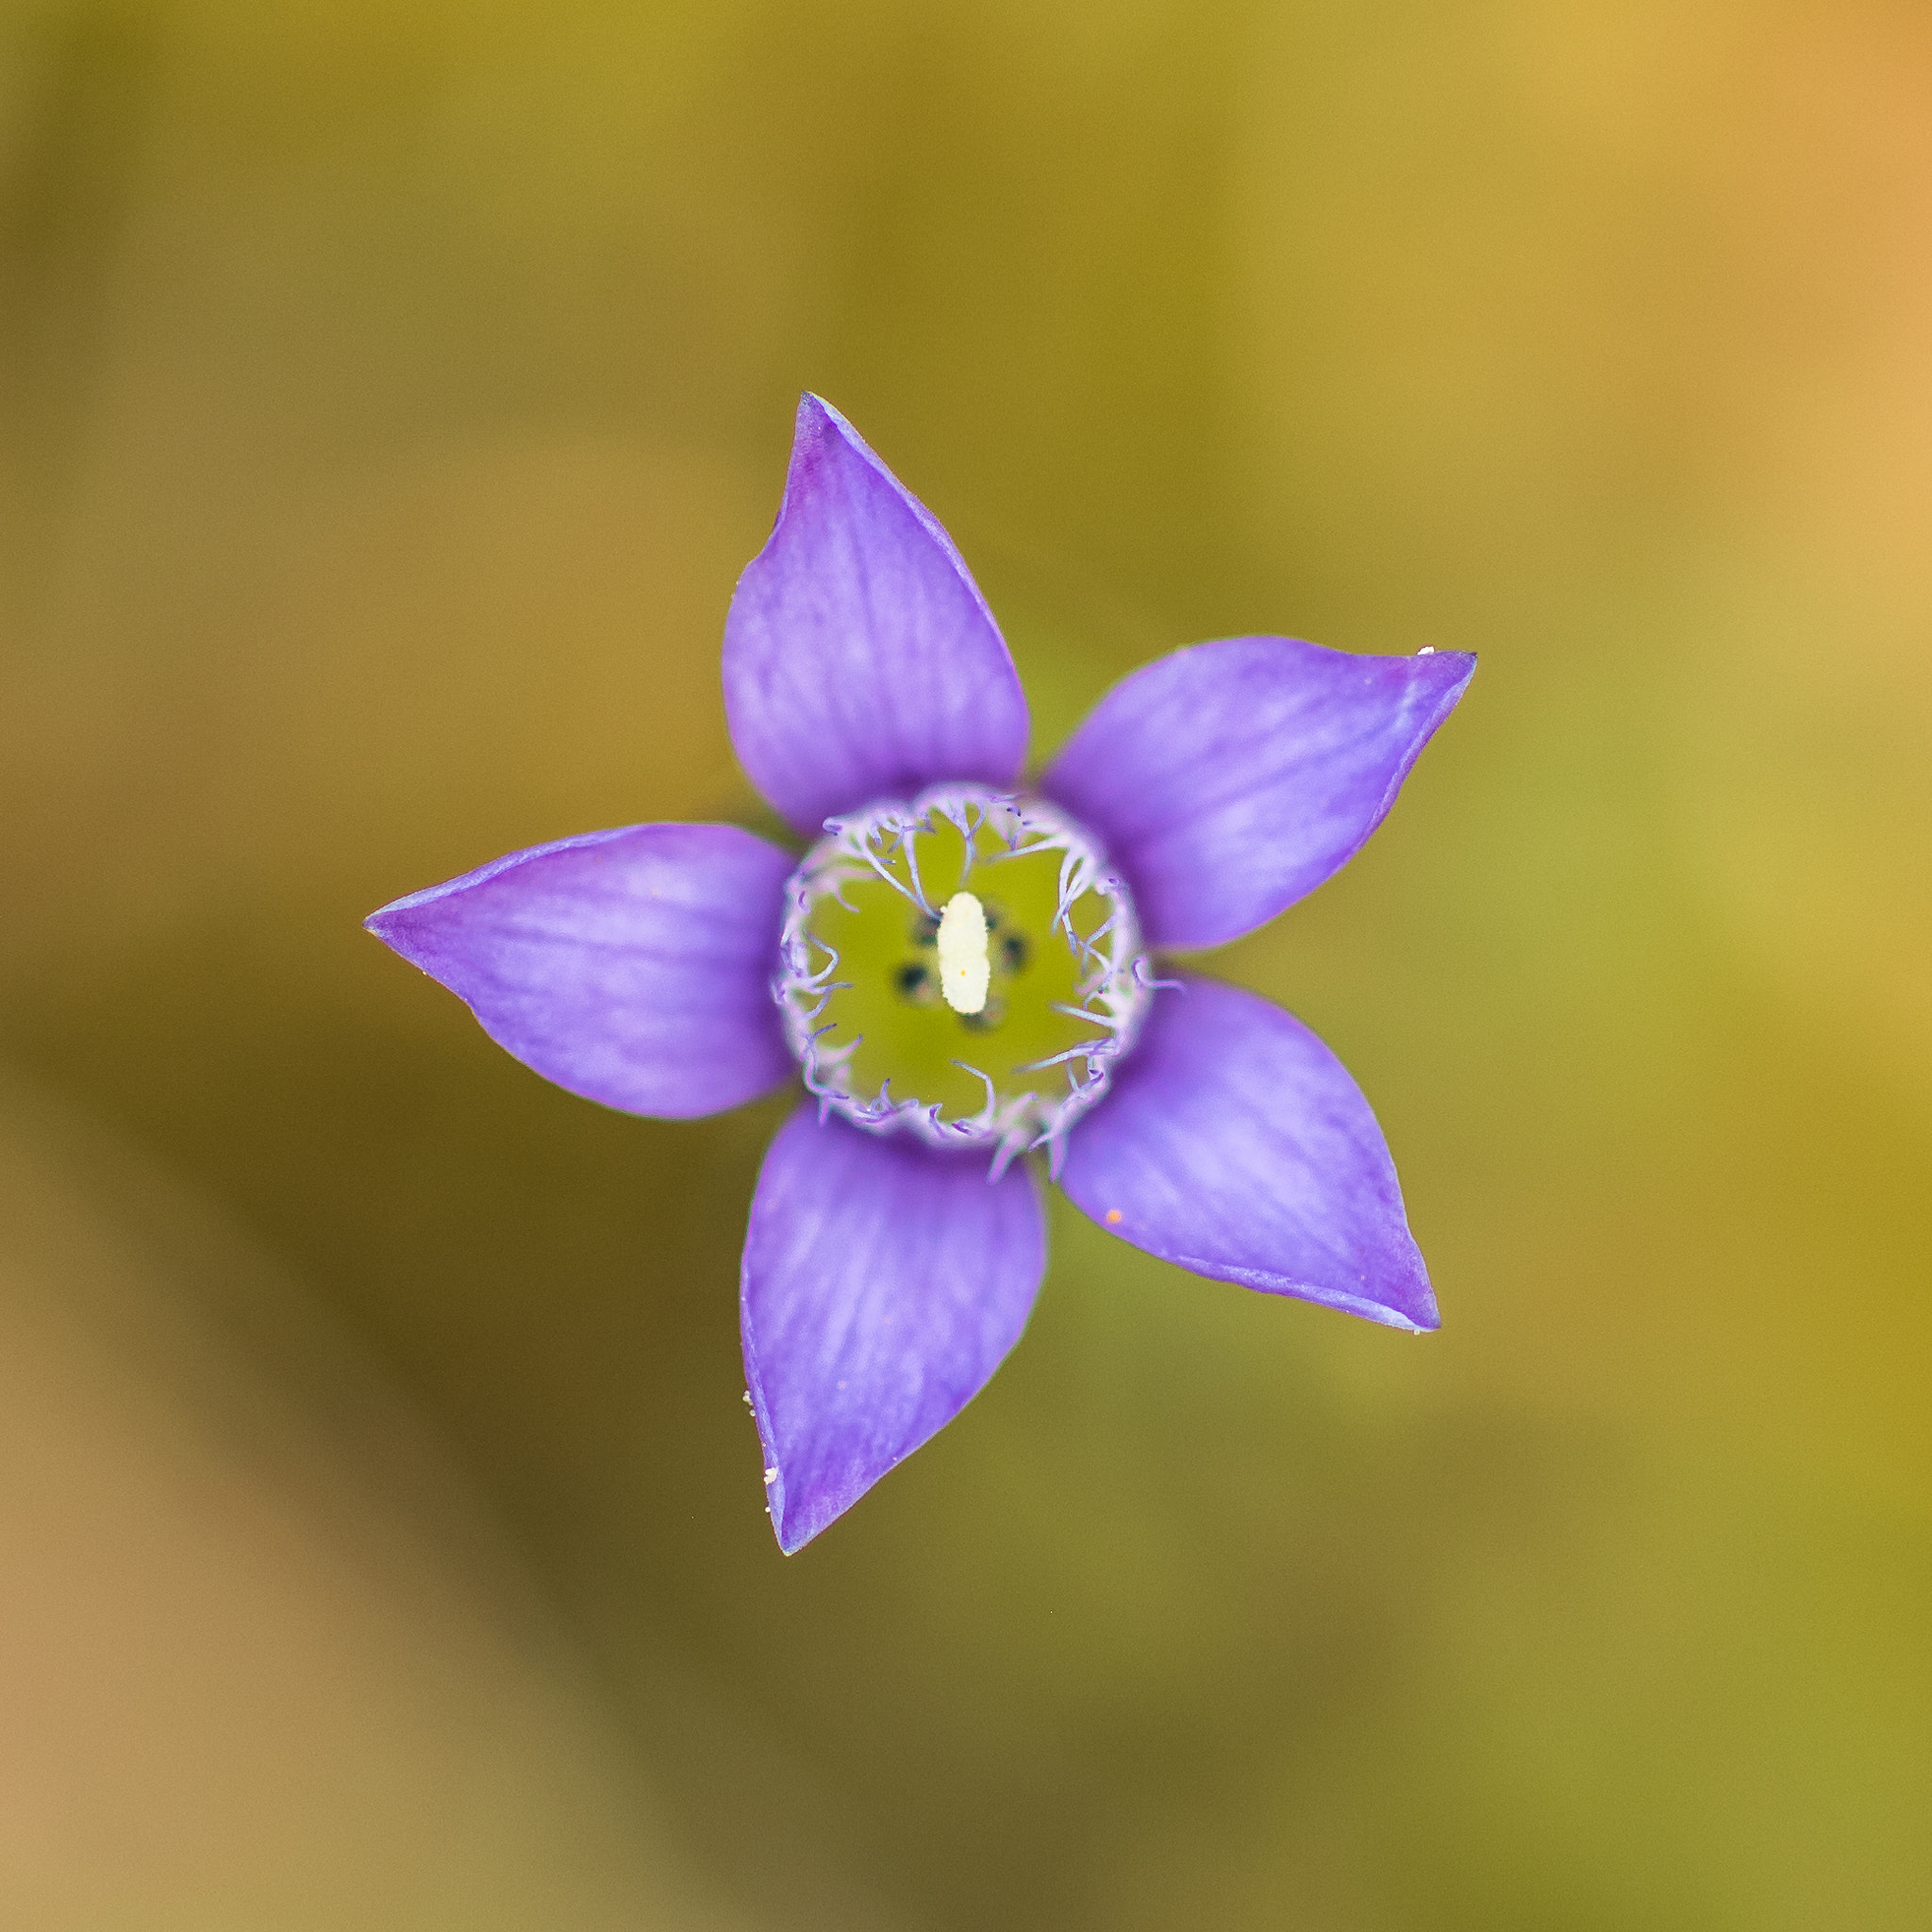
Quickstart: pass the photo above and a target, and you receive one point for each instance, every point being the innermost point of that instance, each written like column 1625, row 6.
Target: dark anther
column 925, row 930
column 910, row 979
column 986, row 1019
column 1013, row 950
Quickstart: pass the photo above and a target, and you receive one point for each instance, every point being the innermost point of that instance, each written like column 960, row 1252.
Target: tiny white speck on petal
column 771, row 1477
column 1426, row 651
column 964, row 968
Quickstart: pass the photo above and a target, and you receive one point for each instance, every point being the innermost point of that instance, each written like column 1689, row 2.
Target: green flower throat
column 965, row 967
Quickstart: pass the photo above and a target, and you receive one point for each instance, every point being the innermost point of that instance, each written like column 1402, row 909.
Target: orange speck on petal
column 1113, row 1216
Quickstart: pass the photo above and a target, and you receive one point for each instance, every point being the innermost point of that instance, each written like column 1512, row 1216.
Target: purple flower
column 959, row 970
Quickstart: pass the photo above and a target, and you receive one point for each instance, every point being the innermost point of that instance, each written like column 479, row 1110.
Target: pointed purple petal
column 1229, row 779
column 1234, row 1143
column 633, row 967
column 883, row 1284
column 861, row 661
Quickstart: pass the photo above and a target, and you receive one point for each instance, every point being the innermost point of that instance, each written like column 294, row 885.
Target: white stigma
column 964, row 968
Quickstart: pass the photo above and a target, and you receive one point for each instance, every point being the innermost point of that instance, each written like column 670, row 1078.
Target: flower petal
column 883, row 1284
column 633, row 967
column 1234, row 1143
column 861, row 661
column 1228, row 779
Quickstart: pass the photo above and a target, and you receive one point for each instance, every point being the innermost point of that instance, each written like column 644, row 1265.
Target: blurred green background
column 391, row 391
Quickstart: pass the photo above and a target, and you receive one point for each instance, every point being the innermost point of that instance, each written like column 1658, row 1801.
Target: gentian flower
column 958, row 972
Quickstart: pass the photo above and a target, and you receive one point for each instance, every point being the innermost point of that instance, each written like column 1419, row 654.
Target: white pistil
column 964, row 968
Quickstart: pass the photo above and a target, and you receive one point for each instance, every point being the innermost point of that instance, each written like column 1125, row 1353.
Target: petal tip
column 1461, row 664
column 818, row 421
column 791, row 1538
column 1424, row 1320
column 384, row 925
column 814, row 417
column 813, row 408
column 1405, row 1299
column 794, row 1524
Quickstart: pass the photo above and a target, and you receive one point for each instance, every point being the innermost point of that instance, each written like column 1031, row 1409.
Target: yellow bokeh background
column 389, row 396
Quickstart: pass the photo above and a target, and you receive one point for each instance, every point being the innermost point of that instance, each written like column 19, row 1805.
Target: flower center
column 965, row 968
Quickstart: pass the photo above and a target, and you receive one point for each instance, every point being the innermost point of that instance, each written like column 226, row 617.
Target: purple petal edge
column 1230, row 779
column 860, row 661
column 1236, row 1145
column 632, row 967
column 883, row 1283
